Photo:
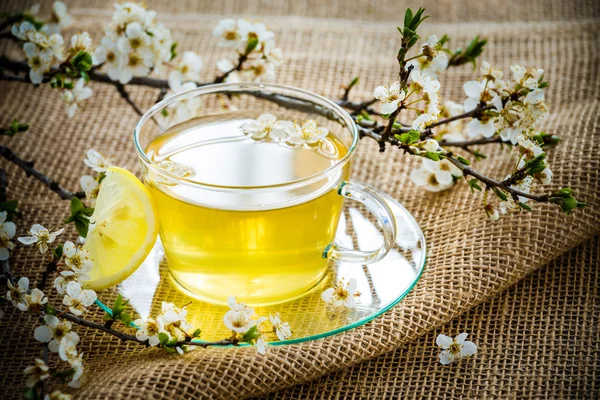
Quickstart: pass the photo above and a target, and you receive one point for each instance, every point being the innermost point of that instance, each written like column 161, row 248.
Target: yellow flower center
column 432, row 180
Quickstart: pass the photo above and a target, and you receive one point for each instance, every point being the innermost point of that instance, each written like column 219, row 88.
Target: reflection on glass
column 382, row 284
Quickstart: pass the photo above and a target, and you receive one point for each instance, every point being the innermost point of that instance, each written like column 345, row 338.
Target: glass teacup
column 249, row 181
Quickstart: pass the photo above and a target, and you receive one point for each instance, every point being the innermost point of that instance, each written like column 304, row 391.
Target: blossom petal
column 473, row 89
column 468, row 349
column 43, row 334
column 443, row 341
column 388, row 108
column 327, row 295
column 446, row 357
column 461, row 338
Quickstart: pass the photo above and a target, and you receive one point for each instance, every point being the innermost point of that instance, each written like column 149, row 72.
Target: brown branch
column 125, row 95
column 464, row 168
column 10, row 21
column 357, row 108
column 241, row 60
column 132, row 338
column 29, row 169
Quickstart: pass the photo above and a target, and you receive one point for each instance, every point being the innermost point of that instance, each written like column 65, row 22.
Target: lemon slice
column 123, row 229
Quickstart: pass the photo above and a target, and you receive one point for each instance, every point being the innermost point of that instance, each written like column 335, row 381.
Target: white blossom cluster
column 516, row 108
column 256, row 43
column 241, row 319
column 343, row 293
column 267, row 127
column 171, row 322
column 455, row 349
column 55, row 331
column 422, row 83
column 45, row 51
column 91, row 184
column 7, row 232
column 134, row 44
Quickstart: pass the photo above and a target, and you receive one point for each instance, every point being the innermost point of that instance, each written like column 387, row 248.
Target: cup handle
column 382, row 211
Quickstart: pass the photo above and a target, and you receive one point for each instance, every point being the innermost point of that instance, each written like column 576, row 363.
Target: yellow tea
column 262, row 246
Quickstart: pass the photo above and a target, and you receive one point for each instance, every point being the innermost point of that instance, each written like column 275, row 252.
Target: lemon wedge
column 122, row 231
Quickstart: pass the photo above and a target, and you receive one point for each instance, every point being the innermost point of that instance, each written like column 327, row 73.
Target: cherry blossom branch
column 124, row 337
column 28, row 167
column 125, row 95
column 466, row 170
column 241, row 60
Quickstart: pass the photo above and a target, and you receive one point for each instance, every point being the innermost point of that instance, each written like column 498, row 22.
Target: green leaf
column 252, row 43
column 565, row 191
column 173, row 50
column 164, row 112
column 408, row 16
column 500, row 194
column 353, row 82
column 196, row 333
column 169, row 349
column 163, row 338
column 385, row 116
column 251, row 334
column 31, row 393
column 432, row 155
column 82, row 226
column 473, row 185
column 50, row 310
column 15, row 127
column 568, row 204
column 11, row 209
column 125, row 319
column 76, row 205
column 479, row 155
column 463, row 160
column 58, row 252
column 524, row 206
column 64, row 374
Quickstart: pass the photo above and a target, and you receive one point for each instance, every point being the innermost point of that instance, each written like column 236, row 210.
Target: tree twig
column 125, row 95
column 29, row 169
column 132, row 338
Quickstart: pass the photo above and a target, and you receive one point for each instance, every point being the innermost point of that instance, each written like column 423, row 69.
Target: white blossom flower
column 16, row 293
column 478, row 127
column 544, row 177
column 523, row 186
column 133, row 64
column 518, row 72
column 529, row 147
column 36, row 373
column 272, row 53
column 390, row 96
column 267, row 125
column 228, row 33
column 91, row 187
column 172, row 314
column 489, row 73
column 77, row 300
column 81, row 42
column 259, row 70
column 60, row 18
column 7, row 232
column 23, row 30
column 435, row 176
column 433, row 61
column 422, row 121
column 282, row 329
column 308, row 133
column 429, row 89
column 188, row 68
column 67, row 347
column 431, row 145
column 74, row 96
column 97, row 161
column 52, row 332
column 35, row 301
column 261, row 345
column 40, row 61
column 455, row 349
column 473, row 90
column 108, row 54
column 149, row 330
column 257, row 30
column 492, row 213
column 342, row 294
column 238, row 318
column 186, row 107
column 57, row 395
column 77, row 258
column 41, row 237
column 534, row 97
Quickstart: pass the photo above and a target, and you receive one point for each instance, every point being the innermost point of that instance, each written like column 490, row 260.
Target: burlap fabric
column 470, row 259
column 539, row 339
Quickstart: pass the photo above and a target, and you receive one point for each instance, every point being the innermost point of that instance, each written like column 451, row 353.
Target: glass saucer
column 382, row 284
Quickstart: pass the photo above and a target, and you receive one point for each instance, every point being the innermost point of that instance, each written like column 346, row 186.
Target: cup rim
column 215, row 88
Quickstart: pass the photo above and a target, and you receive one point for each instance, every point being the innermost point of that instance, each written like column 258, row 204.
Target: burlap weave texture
column 470, row 259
